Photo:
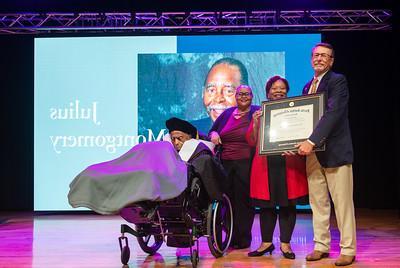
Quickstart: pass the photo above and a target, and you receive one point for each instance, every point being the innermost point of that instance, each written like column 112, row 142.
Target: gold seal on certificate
column 286, row 122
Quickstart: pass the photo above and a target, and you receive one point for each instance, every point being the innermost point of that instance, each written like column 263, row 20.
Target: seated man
column 184, row 137
column 198, row 154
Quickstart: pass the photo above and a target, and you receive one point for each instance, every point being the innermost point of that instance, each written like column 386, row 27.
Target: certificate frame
column 286, row 122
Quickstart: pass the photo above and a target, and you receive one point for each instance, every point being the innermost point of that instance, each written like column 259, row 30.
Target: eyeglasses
column 244, row 94
column 323, row 55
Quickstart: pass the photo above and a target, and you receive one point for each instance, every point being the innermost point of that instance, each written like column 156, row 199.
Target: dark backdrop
column 367, row 59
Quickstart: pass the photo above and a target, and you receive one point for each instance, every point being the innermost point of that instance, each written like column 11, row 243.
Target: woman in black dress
column 276, row 181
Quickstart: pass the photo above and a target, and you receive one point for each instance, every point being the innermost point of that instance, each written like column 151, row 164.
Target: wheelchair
column 180, row 222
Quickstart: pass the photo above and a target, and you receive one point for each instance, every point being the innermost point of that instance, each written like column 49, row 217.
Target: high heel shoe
column 257, row 253
column 288, row 255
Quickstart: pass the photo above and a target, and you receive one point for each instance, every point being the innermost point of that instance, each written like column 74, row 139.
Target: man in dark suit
column 330, row 172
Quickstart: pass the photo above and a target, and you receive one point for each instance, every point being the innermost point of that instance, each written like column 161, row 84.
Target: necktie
column 313, row 88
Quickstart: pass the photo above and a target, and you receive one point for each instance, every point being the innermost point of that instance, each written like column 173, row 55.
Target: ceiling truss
column 237, row 21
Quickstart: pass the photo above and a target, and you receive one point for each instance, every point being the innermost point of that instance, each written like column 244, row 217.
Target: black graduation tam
column 181, row 125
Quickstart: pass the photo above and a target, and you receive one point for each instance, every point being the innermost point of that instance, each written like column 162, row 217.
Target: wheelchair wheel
column 150, row 243
column 219, row 226
column 195, row 258
column 125, row 255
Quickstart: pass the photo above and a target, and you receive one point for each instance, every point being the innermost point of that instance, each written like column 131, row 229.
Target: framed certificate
column 288, row 121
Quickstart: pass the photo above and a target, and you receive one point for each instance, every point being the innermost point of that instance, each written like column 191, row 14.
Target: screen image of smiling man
column 222, row 79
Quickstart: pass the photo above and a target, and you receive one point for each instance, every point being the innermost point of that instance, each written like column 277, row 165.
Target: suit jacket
column 333, row 128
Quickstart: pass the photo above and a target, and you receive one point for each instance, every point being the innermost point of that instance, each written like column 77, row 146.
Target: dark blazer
column 209, row 171
column 333, row 128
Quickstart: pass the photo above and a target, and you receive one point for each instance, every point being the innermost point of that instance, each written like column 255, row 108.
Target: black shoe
column 288, row 255
column 257, row 253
